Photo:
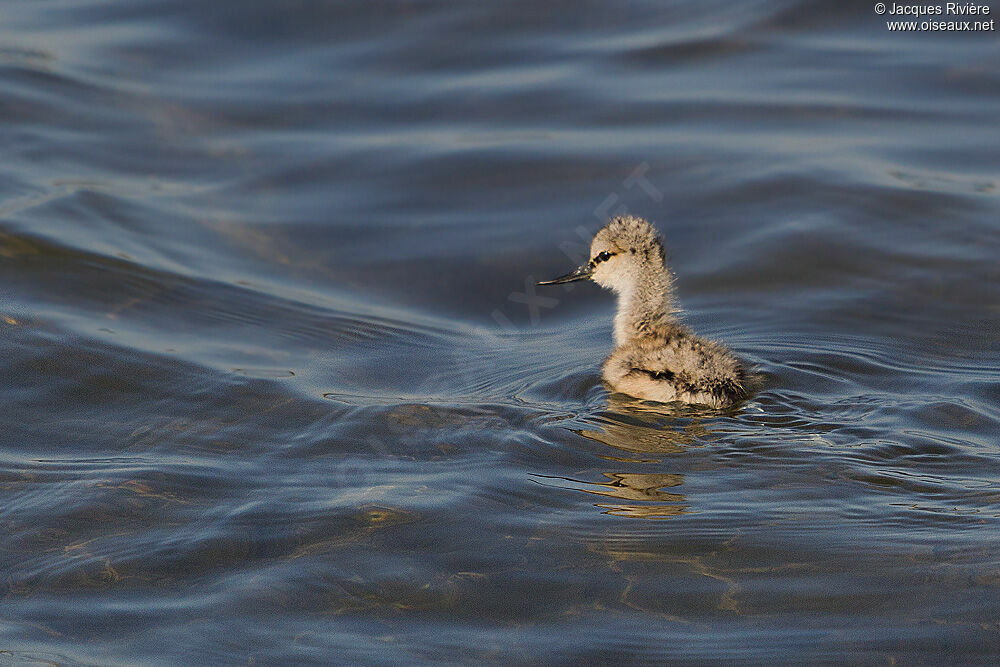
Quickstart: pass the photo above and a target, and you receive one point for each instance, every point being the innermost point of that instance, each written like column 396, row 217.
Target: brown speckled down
column 655, row 357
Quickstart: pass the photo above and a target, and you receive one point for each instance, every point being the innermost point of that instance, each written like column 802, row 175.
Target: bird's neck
column 642, row 305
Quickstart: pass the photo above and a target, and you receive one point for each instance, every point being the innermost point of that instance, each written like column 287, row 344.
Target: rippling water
column 278, row 386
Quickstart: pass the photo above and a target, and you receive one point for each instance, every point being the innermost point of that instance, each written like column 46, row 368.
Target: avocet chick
column 655, row 357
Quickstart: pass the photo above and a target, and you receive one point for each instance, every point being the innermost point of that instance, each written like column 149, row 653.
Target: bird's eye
column 603, row 257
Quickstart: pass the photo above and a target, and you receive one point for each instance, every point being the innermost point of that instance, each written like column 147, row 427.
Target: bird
column 655, row 356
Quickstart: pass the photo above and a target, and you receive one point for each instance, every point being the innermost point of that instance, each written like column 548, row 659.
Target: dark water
column 277, row 386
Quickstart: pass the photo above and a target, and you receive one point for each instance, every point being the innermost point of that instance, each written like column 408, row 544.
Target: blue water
column 279, row 387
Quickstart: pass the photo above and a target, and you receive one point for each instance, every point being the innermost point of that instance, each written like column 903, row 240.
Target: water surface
column 279, row 387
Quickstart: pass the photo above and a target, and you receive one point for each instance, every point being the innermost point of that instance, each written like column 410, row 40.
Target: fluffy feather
column 656, row 357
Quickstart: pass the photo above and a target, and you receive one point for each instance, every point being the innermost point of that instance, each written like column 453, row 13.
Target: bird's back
column 670, row 363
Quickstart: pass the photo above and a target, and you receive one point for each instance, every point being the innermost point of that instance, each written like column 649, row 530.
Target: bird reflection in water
column 636, row 428
column 641, row 487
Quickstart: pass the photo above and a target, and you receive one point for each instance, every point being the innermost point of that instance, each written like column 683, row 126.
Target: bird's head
column 621, row 253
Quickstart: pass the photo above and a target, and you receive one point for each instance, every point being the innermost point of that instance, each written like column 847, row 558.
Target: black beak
column 581, row 273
